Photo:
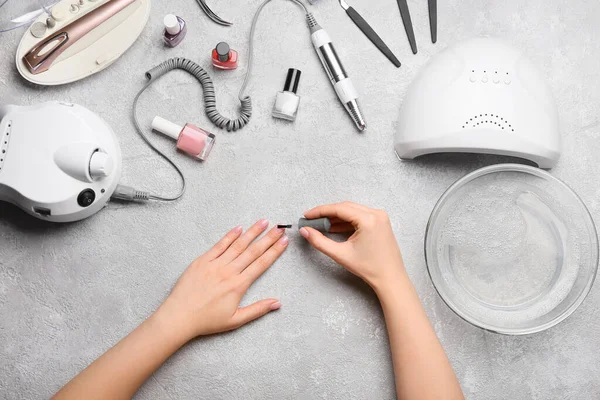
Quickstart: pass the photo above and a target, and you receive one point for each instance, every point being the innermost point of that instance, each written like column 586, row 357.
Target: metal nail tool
column 211, row 14
column 405, row 14
column 369, row 32
column 433, row 19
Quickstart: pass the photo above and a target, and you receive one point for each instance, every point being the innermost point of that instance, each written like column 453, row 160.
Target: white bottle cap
column 172, row 24
column 166, row 127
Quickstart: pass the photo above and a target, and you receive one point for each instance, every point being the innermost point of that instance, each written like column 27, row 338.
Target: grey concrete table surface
column 69, row 292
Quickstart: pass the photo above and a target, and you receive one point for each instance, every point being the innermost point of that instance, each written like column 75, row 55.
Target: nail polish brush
column 320, row 224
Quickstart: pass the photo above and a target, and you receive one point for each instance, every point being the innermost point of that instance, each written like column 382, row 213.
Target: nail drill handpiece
column 342, row 84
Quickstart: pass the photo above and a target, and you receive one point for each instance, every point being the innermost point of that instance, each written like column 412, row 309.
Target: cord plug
column 127, row 193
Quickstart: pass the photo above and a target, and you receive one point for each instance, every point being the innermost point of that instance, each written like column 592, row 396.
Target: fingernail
column 263, row 223
column 275, row 306
column 237, row 229
column 284, row 240
column 304, row 232
column 279, row 230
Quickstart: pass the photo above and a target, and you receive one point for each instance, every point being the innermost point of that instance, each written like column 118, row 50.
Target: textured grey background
column 69, row 292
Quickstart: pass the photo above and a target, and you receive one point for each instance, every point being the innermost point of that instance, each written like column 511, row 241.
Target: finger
column 344, row 211
column 241, row 244
column 335, row 220
column 256, row 249
column 333, row 249
column 262, row 263
column 223, row 244
column 342, row 227
column 254, row 311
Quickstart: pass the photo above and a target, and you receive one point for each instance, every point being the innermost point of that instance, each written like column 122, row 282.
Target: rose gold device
column 41, row 57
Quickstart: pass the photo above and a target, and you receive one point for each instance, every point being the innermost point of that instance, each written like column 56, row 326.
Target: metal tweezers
column 405, row 14
column 210, row 13
column 369, row 32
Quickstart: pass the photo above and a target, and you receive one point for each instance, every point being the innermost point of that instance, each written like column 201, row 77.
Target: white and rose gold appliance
column 79, row 38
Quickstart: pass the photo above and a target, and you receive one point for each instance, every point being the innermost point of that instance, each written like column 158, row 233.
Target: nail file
column 319, row 224
column 433, row 19
column 405, row 14
column 369, row 32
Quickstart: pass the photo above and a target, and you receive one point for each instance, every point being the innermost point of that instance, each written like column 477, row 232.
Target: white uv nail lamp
column 480, row 96
column 58, row 161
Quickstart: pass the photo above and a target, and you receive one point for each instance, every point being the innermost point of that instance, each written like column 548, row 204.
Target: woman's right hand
column 371, row 253
column 421, row 368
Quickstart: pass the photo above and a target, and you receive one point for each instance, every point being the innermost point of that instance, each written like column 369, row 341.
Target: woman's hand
column 421, row 368
column 206, row 298
column 370, row 253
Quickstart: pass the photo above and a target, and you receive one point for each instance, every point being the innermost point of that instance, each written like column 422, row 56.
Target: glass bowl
column 511, row 249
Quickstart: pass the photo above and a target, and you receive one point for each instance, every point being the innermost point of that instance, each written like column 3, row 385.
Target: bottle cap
column 172, row 24
column 223, row 51
column 166, row 127
column 292, row 80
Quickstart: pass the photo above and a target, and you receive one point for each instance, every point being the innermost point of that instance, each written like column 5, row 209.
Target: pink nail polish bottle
column 223, row 57
column 190, row 139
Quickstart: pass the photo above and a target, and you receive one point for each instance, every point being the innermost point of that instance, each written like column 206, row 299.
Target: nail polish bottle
column 190, row 139
column 223, row 57
column 175, row 30
column 287, row 102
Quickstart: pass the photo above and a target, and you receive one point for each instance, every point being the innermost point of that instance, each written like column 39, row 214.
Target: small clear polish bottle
column 190, row 139
column 175, row 30
column 287, row 101
column 223, row 57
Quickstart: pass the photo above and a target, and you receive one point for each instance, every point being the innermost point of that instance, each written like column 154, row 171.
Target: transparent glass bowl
column 511, row 249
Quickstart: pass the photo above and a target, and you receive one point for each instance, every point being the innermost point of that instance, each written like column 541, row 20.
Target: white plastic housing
column 480, row 96
column 346, row 91
column 50, row 153
column 95, row 51
column 320, row 38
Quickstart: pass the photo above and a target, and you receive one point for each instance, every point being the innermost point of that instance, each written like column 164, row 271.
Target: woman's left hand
column 206, row 298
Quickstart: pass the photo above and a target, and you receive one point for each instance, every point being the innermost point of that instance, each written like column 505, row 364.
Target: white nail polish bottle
column 287, row 101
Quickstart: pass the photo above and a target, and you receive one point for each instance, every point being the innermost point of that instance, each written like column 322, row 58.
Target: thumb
column 322, row 243
column 254, row 311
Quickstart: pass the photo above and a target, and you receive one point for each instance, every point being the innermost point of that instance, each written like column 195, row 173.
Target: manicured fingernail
column 304, row 232
column 275, row 306
column 284, row 240
column 263, row 223
column 237, row 229
column 278, row 230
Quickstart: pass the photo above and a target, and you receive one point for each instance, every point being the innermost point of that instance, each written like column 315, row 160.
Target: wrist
column 392, row 283
column 170, row 325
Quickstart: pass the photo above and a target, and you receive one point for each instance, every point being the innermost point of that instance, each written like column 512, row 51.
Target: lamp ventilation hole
column 488, row 120
column 4, row 142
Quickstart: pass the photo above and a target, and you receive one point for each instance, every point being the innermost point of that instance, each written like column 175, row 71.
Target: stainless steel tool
column 433, row 20
column 405, row 14
column 369, row 32
column 211, row 14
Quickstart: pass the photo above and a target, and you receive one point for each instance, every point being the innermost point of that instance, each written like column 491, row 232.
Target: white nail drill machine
column 58, row 161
